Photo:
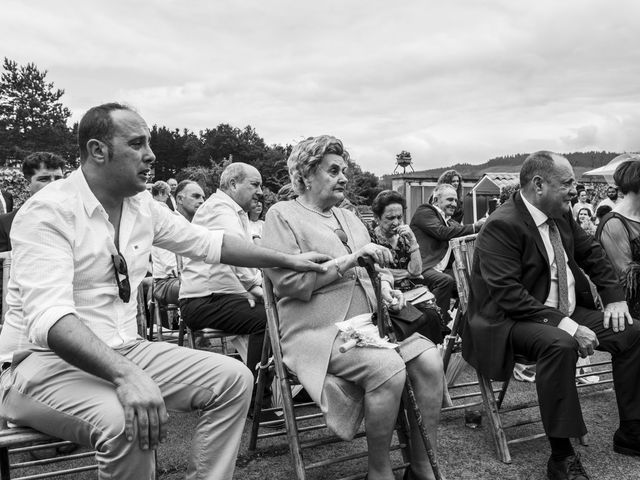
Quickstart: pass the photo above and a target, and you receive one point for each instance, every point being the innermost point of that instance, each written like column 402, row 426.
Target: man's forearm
column 238, row 251
column 79, row 346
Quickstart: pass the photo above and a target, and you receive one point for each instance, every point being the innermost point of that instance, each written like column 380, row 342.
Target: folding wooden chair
column 15, row 440
column 463, row 251
column 298, row 424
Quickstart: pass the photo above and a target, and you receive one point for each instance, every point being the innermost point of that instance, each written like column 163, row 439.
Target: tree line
column 33, row 118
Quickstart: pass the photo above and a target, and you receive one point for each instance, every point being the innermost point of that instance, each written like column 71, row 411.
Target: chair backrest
column 5, row 261
column 463, row 249
column 270, row 305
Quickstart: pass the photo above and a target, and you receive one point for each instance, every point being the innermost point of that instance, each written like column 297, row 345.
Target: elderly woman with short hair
column 362, row 381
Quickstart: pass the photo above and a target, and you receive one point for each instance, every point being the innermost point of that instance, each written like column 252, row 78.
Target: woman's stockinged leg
column 428, row 381
column 380, row 411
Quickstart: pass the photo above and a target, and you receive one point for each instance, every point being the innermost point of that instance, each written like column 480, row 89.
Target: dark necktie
column 561, row 266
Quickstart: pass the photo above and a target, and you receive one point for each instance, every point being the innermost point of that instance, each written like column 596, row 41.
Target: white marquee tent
column 608, row 170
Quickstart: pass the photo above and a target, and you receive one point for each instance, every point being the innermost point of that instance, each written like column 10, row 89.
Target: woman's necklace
column 325, row 215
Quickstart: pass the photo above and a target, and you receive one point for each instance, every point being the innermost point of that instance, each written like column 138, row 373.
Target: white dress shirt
column 163, row 262
column 199, row 279
column 61, row 262
column 540, row 220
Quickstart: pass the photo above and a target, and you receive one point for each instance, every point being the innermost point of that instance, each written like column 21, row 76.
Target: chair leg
column 493, row 417
column 192, row 339
column 503, row 392
column 451, row 338
column 181, row 332
column 263, row 378
column 152, row 313
column 292, row 429
column 5, row 473
column 287, row 409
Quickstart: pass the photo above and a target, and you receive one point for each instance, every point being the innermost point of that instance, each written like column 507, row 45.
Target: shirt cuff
column 568, row 325
column 39, row 331
column 215, row 246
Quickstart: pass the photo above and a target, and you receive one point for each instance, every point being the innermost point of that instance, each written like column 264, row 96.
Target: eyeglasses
column 343, row 238
column 124, row 287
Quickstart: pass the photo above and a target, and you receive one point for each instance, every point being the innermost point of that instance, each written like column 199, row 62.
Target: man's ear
column 537, row 183
column 97, row 150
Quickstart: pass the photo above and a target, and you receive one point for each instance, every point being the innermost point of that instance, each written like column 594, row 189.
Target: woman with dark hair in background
column 619, row 233
column 585, row 221
column 388, row 209
column 454, row 179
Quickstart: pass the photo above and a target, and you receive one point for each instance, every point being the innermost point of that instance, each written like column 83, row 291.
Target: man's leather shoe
column 626, row 444
column 568, row 469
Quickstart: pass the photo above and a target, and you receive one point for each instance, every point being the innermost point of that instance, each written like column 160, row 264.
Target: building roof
column 492, row 183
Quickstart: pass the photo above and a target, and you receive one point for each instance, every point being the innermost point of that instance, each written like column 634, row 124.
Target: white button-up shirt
column 61, row 262
column 200, row 279
column 540, row 219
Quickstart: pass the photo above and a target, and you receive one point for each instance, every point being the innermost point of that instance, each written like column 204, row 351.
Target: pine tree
column 32, row 118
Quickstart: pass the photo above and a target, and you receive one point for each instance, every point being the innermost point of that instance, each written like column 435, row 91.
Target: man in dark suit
column 40, row 169
column 529, row 297
column 433, row 228
column 171, row 199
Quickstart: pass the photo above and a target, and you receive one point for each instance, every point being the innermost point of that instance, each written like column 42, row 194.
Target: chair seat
column 19, row 436
column 212, row 333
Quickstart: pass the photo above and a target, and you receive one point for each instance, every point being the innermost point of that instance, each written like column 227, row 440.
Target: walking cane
column 385, row 329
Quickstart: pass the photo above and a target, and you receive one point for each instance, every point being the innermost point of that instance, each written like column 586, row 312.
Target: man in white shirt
column 74, row 365
column 166, row 287
column 530, row 297
column 433, row 228
column 223, row 296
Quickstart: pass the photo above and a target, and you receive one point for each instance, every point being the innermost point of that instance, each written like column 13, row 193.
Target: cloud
column 458, row 81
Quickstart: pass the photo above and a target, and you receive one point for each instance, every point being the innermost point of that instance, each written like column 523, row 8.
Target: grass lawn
column 464, row 453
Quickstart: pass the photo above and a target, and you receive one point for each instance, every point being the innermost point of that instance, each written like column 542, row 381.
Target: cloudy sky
column 457, row 81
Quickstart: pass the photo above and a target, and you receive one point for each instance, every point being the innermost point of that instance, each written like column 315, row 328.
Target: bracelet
column 414, row 249
column 335, row 261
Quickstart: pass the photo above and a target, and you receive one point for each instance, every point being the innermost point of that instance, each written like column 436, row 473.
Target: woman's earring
column 308, row 186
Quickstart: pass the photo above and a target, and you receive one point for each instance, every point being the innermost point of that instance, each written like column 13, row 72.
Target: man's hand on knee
column 587, row 341
column 616, row 314
column 143, row 402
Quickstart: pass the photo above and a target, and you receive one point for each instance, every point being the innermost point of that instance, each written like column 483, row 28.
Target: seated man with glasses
column 73, row 364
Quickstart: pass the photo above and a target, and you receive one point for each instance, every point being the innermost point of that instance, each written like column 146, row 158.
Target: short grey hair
column 442, row 188
column 234, row 171
column 307, row 155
